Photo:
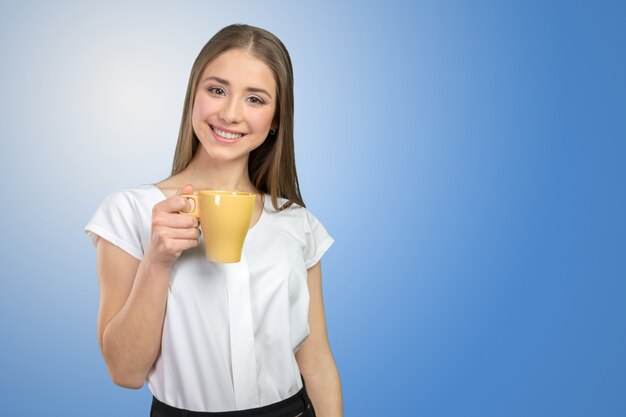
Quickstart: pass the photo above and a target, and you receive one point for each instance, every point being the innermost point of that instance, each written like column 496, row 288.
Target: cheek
column 198, row 111
column 202, row 108
column 261, row 120
column 199, row 117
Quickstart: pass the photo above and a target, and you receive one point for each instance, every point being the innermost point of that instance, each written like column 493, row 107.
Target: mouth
column 226, row 136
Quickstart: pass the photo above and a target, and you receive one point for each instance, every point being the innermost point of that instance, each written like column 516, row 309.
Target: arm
column 133, row 294
column 314, row 357
column 130, row 318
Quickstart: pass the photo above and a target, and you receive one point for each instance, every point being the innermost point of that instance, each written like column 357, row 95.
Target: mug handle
column 196, row 211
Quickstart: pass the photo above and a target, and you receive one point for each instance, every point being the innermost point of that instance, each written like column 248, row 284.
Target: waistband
column 289, row 407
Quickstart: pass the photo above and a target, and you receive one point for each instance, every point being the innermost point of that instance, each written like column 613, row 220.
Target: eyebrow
column 225, row 82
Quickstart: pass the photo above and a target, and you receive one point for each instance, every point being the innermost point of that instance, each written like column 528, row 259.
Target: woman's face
column 235, row 105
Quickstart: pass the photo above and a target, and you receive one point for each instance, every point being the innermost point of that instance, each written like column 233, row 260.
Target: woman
column 209, row 337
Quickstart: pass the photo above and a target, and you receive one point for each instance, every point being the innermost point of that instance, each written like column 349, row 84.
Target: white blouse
column 231, row 330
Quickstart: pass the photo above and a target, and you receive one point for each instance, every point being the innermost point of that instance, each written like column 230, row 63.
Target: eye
column 255, row 100
column 217, row 90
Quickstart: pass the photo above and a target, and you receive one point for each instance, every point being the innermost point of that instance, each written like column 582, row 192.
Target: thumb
column 187, row 189
column 189, row 203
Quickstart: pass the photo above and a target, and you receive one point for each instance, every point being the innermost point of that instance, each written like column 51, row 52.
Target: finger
column 173, row 204
column 187, row 189
column 189, row 234
column 189, row 243
column 179, row 233
column 191, row 205
column 176, row 220
column 180, row 245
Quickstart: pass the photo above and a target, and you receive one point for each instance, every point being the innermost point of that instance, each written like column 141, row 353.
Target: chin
column 222, row 155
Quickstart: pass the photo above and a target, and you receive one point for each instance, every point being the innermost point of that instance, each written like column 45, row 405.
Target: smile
column 226, row 135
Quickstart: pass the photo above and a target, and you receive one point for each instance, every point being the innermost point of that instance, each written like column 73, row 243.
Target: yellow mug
column 225, row 218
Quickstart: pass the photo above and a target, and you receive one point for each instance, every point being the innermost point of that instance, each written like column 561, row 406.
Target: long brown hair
column 271, row 166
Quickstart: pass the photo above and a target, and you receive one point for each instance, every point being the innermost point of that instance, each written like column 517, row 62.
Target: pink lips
column 224, row 140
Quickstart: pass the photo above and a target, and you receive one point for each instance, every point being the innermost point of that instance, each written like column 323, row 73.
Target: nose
column 230, row 111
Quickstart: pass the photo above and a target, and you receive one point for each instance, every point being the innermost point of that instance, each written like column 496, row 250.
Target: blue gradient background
column 468, row 158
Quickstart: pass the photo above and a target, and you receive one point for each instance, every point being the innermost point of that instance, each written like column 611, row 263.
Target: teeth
column 227, row 135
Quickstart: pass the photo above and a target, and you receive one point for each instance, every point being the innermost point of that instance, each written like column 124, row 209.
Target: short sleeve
column 116, row 220
column 317, row 239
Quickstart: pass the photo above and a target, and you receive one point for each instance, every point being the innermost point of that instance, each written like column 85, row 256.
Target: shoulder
column 294, row 212
column 298, row 217
column 123, row 218
column 130, row 203
column 280, row 203
column 135, row 196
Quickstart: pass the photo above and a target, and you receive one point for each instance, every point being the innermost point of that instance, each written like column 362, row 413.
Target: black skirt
column 299, row 405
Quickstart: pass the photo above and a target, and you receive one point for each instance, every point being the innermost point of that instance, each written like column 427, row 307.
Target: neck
column 204, row 172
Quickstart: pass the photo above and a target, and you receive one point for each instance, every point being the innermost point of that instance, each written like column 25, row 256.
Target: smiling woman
column 227, row 109
column 221, row 338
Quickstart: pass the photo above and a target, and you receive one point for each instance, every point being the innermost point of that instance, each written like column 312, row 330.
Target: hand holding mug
column 173, row 231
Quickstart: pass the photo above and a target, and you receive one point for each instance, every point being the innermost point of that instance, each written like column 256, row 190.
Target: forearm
column 132, row 339
column 324, row 388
